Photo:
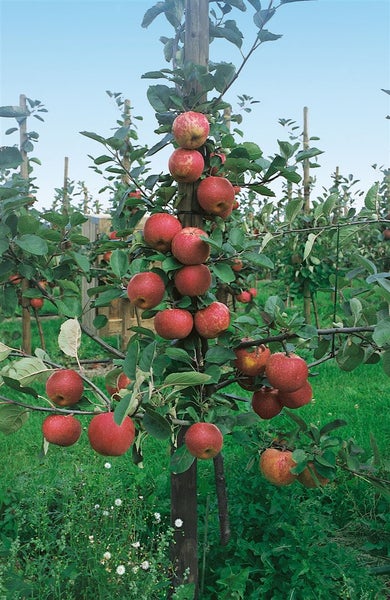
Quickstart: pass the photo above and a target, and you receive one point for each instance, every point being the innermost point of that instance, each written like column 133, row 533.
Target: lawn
column 75, row 525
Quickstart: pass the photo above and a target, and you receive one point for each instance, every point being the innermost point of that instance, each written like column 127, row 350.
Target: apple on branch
column 190, row 129
column 276, row 466
column 203, row 440
column 186, row 166
column 173, row 323
column 62, row 430
column 251, row 361
column 65, row 387
column 212, row 320
column 188, row 247
column 193, row 280
column 160, row 229
column 286, row 372
column 265, row 402
column 216, row 196
column 107, row 437
column 146, row 290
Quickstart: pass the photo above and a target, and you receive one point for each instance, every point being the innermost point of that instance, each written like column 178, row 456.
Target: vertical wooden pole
column 184, row 551
column 65, row 198
column 26, row 317
column 306, row 208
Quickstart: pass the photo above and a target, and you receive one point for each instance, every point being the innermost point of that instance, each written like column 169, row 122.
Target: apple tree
column 211, row 229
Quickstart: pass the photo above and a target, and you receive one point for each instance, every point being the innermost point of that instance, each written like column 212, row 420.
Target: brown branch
column 223, row 512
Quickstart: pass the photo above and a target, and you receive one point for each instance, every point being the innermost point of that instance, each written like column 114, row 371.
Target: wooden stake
column 26, row 317
column 306, row 162
column 65, row 198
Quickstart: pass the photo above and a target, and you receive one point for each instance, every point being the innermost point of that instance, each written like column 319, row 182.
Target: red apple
column 64, row 387
column 216, row 195
column 245, row 296
column 193, row 280
column 300, row 397
column 15, row 279
column 186, row 166
column 113, row 236
column 265, row 403
column 220, row 159
column 189, row 248
column 160, row 229
column 203, row 440
column 310, row 478
column 108, row 438
column 62, row 430
column 116, row 380
column 36, row 303
column 253, row 292
column 251, row 361
column 107, row 256
column 275, row 465
column 237, row 265
column 173, row 323
column 286, row 372
column 146, row 289
column 190, row 129
column 213, row 320
column 386, row 234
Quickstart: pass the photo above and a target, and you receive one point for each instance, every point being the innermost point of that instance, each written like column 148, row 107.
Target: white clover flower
column 145, row 565
column 118, row 502
column 107, row 465
column 90, row 537
column 157, row 517
column 135, row 569
column 120, row 570
column 96, row 506
column 178, row 523
column 356, row 406
column 105, row 513
column 136, row 544
column 107, row 555
column 141, row 497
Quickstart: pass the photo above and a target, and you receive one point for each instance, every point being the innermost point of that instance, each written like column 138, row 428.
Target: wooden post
column 26, row 317
column 184, row 552
column 65, row 199
column 306, row 208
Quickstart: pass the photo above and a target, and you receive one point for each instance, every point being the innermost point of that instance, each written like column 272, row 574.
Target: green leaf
column 107, row 297
column 10, row 157
column 219, row 355
column 159, row 97
column 27, row 224
column 311, row 238
column 186, row 379
column 56, row 218
column 306, row 154
column 181, row 460
column 4, row 351
column 224, row 272
column 371, row 198
column 293, row 208
column 13, row 111
column 178, row 354
column 32, row 244
column 350, row 356
column 119, row 263
column 386, row 362
column 381, row 335
column 94, row 136
column 266, row 36
column 130, row 362
column 26, row 371
column 336, row 424
column 12, row 418
column 156, row 425
column 147, row 356
column 259, row 260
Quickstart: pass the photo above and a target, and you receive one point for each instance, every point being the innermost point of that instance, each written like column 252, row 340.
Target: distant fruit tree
column 213, row 228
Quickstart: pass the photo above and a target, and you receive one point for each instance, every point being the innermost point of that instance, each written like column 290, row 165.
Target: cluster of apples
column 65, row 388
column 287, row 376
column 35, row 303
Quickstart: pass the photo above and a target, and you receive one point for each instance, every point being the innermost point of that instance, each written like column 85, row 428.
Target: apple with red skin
column 108, row 438
column 160, row 229
column 64, row 387
column 113, row 236
column 15, row 279
column 116, row 380
column 190, row 129
column 186, row 166
column 300, row 397
column 275, row 465
column 286, row 372
column 62, row 430
column 386, row 234
column 245, row 297
column 107, row 256
column 251, row 361
column 265, row 402
column 36, row 303
column 188, row 247
column 203, row 440
column 310, row 478
column 193, row 280
column 135, row 194
column 216, row 196
column 173, row 323
column 237, row 265
column 212, row 320
column 145, row 290
column 215, row 169
column 253, row 292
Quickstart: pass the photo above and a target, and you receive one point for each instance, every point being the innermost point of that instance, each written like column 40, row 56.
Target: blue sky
column 334, row 58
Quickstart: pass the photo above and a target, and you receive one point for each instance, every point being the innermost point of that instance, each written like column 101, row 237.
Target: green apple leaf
column 69, row 338
column 12, row 418
column 181, row 460
column 156, row 425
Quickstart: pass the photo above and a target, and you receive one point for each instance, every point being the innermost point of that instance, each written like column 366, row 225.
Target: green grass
column 59, row 516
